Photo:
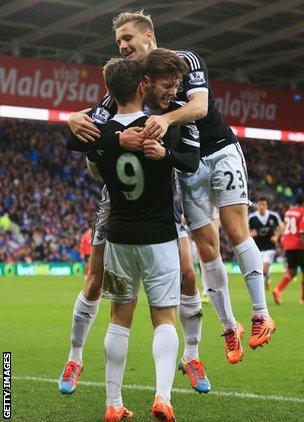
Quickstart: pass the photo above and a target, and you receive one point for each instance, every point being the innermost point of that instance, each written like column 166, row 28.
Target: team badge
column 197, row 78
column 101, row 115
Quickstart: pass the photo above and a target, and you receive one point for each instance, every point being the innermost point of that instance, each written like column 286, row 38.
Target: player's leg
column 234, row 219
column 164, row 349
column 198, row 271
column 302, row 279
column 229, row 181
column 190, row 314
column 266, row 268
column 302, row 288
column 292, row 265
column 267, row 258
column 87, row 304
column 199, row 214
column 121, row 281
column 216, row 281
column 116, row 348
column 160, row 271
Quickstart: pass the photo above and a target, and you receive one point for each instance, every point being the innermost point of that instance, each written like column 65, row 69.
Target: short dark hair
column 122, row 77
column 162, row 63
column 263, row 198
column 300, row 199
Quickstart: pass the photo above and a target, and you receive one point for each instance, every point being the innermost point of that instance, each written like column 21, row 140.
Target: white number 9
column 136, row 180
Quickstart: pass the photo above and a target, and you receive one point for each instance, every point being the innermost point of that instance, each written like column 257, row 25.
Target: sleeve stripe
column 191, row 142
column 108, row 101
column 192, row 59
column 192, row 91
column 192, row 126
column 181, row 103
column 278, row 217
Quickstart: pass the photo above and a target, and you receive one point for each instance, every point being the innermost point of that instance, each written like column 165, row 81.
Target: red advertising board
column 257, row 106
column 27, row 82
column 49, row 84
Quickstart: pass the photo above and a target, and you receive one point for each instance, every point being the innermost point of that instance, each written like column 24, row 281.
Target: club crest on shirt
column 197, row 78
column 101, row 115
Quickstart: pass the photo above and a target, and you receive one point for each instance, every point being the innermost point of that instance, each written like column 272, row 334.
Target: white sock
column 251, row 266
column 216, row 281
column 84, row 314
column 116, row 348
column 165, row 349
column 190, row 314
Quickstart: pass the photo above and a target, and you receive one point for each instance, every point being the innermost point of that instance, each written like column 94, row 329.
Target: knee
column 237, row 234
column 292, row 273
column 188, row 275
column 208, row 252
column 92, row 288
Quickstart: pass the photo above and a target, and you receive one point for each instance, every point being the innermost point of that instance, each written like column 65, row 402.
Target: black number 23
column 230, row 185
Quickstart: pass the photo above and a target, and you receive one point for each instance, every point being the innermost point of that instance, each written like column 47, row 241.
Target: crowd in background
column 47, row 199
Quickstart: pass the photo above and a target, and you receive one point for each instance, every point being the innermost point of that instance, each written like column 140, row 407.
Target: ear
column 141, row 89
column 147, row 81
column 149, row 36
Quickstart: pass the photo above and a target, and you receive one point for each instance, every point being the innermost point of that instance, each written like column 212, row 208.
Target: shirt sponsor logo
column 197, row 78
column 101, row 115
column 193, row 131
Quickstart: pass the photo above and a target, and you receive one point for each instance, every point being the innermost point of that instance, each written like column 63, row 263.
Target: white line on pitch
column 174, row 390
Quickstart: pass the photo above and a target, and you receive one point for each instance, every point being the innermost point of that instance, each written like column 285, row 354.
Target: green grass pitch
column 35, row 327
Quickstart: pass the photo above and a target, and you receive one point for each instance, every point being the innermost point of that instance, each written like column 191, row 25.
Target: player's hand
column 156, row 127
column 274, row 239
column 83, row 127
column 132, row 139
column 254, row 232
column 153, row 150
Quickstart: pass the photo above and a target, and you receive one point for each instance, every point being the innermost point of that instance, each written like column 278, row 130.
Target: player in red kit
column 85, row 247
column 293, row 244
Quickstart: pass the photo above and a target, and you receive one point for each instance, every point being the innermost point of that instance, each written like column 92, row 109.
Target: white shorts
column 268, row 256
column 157, row 266
column 221, row 180
column 100, row 224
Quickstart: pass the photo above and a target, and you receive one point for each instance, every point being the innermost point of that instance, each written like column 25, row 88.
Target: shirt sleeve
column 197, row 79
column 106, row 141
column 184, row 156
column 301, row 224
column 101, row 113
column 278, row 218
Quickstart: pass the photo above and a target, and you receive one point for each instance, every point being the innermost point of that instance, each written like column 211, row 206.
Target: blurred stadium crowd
column 47, row 199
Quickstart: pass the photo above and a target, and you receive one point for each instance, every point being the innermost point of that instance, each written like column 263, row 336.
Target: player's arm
column 86, row 127
column 253, row 231
column 301, row 229
column 93, row 170
column 196, row 87
column 279, row 230
column 130, row 139
column 180, row 149
column 82, row 126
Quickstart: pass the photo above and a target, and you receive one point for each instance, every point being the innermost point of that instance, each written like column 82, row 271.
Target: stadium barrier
column 53, row 269
column 72, row 269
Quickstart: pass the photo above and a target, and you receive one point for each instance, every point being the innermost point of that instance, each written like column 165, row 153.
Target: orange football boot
column 161, row 411
column 261, row 331
column 234, row 349
column 197, row 375
column 68, row 380
column 116, row 415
